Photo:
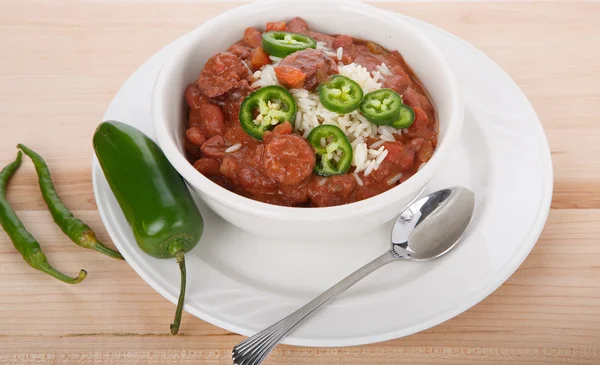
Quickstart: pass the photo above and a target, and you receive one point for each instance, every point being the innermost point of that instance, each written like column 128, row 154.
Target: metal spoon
column 426, row 230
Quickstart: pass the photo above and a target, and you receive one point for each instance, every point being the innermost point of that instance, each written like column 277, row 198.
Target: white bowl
column 358, row 20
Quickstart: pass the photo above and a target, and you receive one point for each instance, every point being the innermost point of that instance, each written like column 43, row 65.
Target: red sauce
column 279, row 170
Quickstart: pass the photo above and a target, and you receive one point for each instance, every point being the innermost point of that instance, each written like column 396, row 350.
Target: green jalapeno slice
column 340, row 94
column 405, row 119
column 281, row 44
column 381, row 107
column 265, row 108
column 334, row 151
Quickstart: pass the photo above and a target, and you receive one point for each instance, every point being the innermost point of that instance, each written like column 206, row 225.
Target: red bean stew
column 294, row 117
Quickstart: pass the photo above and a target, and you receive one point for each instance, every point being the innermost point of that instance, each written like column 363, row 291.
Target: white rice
column 328, row 51
column 233, row 148
column 370, row 167
column 264, row 77
column 248, row 67
column 377, row 76
column 381, row 157
column 360, row 74
column 394, row 179
column 275, row 60
column 373, row 153
column 358, row 179
column 311, row 113
column 384, row 70
column 378, row 144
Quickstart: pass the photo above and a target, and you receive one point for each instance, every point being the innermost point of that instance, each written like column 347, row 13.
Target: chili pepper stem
column 178, row 312
column 89, row 240
column 45, row 267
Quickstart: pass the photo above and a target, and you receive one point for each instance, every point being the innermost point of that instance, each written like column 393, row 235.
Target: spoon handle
column 253, row 350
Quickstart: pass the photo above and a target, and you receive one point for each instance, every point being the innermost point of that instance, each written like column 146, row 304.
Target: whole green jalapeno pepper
column 154, row 198
column 75, row 229
column 23, row 241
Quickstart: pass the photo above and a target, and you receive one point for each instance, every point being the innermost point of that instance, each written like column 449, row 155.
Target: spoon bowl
column 428, row 229
column 433, row 225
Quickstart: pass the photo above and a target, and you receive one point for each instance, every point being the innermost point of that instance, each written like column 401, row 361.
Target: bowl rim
column 250, row 206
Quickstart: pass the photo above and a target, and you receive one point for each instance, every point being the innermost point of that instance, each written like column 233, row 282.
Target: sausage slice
column 222, row 72
column 289, row 159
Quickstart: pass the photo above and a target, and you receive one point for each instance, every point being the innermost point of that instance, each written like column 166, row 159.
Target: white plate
column 244, row 283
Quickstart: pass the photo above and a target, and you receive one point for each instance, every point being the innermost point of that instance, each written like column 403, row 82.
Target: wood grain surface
column 61, row 62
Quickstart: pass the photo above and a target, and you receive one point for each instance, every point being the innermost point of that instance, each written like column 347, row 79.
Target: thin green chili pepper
column 74, row 228
column 23, row 241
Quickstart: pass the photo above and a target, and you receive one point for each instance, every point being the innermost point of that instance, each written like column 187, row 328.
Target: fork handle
column 253, row 350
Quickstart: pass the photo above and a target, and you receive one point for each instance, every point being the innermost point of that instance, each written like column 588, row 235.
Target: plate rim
column 497, row 279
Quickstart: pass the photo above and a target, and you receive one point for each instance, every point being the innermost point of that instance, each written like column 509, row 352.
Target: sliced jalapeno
column 381, row 107
column 334, row 151
column 340, row 94
column 281, row 44
column 265, row 108
column 405, row 119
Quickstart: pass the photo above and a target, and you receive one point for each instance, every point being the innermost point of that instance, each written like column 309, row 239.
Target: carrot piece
column 290, row 76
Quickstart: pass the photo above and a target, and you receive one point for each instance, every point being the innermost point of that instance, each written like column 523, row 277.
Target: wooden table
column 61, row 63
